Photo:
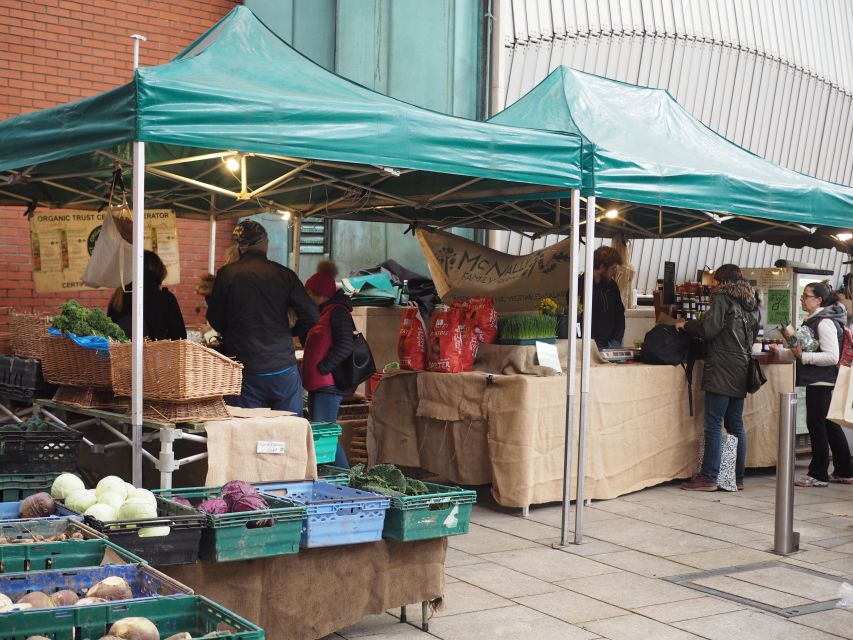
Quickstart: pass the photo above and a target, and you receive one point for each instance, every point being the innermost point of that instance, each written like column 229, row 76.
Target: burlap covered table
column 508, row 430
column 319, row 591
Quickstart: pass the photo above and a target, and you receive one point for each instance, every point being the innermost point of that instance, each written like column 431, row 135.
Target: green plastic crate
column 445, row 511
column 228, row 536
column 333, row 475
column 17, row 486
column 194, row 614
column 92, row 551
column 326, row 436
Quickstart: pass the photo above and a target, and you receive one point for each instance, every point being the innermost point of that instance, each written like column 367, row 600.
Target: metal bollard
column 785, row 539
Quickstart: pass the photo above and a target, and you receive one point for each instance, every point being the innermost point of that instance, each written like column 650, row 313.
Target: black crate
column 39, row 451
column 21, row 379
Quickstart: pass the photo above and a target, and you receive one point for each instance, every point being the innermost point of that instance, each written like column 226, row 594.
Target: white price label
column 267, row 446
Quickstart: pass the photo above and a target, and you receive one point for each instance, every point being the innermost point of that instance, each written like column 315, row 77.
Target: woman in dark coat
column 161, row 315
column 728, row 328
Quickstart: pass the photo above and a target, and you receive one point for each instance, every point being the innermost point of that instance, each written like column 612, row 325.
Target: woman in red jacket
column 329, row 342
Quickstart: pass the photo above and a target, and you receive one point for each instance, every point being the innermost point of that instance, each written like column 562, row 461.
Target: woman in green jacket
column 728, row 328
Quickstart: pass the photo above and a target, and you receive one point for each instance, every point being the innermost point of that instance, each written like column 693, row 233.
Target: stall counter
column 508, row 430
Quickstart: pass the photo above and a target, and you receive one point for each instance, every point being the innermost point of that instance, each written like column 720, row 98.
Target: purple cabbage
column 252, row 503
column 182, row 500
column 236, row 489
column 214, row 506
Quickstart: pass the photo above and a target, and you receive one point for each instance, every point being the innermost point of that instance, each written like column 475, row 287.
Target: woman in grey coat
column 728, row 328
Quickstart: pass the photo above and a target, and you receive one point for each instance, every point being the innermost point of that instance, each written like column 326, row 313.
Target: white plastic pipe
column 585, row 358
column 138, row 284
column 571, row 375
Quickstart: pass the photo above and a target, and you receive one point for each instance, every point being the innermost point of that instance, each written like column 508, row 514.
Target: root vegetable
column 5, row 603
column 180, row 636
column 37, row 600
column 38, row 506
column 64, row 598
column 135, row 629
column 21, row 606
column 111, row 588
column 82, row 602
column 37, row 638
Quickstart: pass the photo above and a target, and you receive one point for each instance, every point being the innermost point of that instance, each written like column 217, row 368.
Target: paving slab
column 571, row 607
column 628, row 590
column 749, row 624
column 838, row 622
column 644, row 564
column 632, row 627
column 501, row 580
column 689, row 609
column 550, row 565
column 510, row 623
column 480, row 540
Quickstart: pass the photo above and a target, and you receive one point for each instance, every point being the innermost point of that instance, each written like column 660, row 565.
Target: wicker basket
column 65, row 363
column 27, row 332
column 177, row 371
column 89, row 398
column 191, row 411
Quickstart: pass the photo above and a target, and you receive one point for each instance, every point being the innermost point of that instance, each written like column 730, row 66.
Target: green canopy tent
column 241, row 123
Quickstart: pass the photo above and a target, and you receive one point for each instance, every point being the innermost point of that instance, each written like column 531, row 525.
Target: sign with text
column 62, row 241
column 461, row 268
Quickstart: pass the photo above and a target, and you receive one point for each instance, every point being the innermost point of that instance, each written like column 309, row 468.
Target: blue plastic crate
column 12, row 511
column 336, row 515
column 144, row 581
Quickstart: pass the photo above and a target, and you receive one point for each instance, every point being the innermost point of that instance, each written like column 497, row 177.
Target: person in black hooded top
column 161, row 315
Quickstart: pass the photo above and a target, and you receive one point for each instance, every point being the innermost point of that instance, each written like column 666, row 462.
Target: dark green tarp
column 642, row 146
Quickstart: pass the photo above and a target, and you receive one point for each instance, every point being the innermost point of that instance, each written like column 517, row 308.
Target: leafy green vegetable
column 82, row 321
column 385, row 479
column 526, row 327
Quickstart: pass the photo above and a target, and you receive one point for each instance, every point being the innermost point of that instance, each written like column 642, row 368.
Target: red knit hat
column 322, row 284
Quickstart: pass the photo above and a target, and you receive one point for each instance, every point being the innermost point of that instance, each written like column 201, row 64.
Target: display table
column 318, row 591
column 230, row 447
column 509, row 430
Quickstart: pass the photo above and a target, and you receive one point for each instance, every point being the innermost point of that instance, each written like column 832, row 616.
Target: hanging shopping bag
column 840, row 410
column 846, row 358
column 111, row 264
column 411, row 342
column 726, row 480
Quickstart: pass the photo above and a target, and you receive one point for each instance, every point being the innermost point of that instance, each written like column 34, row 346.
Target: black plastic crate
column 32, row 452
column 21, row 379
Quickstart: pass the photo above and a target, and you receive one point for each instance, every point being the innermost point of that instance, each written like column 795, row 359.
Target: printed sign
column 778, row 307
column 268, row 446
column 461, row 268
column 62, row 241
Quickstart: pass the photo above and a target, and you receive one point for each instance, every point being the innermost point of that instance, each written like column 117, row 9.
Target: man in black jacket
column 249, row 306
column 608, row 312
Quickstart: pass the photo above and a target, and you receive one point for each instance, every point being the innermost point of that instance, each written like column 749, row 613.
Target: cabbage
column 65, row 485
column 235, row 489
column 213, row 506
column 130, row 488
column 112, row 499
column 136, row 509
column 153, row 532
column 102, row 512
column 142, row 494
column 112, row 483
column 81, row 500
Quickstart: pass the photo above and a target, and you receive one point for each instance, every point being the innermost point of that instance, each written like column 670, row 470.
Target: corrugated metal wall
column 775, row 76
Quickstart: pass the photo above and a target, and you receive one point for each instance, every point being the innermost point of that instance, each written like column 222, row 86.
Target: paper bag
column 726, row 480
column 111, row 264
column 840, row 410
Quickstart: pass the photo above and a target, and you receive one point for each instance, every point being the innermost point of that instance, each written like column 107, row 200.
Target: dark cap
column 249, row 233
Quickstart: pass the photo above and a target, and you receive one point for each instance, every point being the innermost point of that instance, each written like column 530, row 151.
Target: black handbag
column 357, row 367
column 755, row 377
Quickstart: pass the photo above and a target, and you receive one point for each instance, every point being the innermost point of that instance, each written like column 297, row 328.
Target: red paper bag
column 485, row 317
column 470, row 338
column 411, row 343
column 846, row 359
column 445, row 341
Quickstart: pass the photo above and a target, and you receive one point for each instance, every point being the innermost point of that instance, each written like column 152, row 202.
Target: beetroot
column 182, row 501
column 214, row 506
column 235, row 489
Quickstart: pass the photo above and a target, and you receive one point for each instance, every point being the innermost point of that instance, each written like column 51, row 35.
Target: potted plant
column 548, row 307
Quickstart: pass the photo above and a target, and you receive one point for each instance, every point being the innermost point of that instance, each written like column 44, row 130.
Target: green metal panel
column 306, row 25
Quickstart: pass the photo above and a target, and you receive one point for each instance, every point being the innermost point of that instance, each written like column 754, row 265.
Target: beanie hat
column 248, row 233
column 322, row 284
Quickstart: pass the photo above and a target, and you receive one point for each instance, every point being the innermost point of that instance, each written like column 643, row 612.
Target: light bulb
column 612, row 213
column 232, row 164
column 844, row 237
column 284, row 213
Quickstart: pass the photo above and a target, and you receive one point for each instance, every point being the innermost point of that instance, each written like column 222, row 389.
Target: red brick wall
column 56, row 51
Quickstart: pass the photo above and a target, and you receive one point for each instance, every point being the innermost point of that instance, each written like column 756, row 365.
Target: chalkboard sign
column 669, row 283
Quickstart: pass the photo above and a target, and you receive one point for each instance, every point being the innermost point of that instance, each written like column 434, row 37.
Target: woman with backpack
column 728, row 328
column 817, row 371
column 329, row 342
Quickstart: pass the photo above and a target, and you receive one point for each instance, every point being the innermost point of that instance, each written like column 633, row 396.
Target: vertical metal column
column 585, row 358
column 297, row 241
column 571, row 375
column 785, row 539
column 138, row 286
column 211, row 246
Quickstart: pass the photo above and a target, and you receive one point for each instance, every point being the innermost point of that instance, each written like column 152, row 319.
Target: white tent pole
column 571, row 374
column 211, row 248
column 138, row 285
column 587, row 348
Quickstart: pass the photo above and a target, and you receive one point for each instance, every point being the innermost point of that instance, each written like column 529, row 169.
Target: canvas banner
column 461, row 268
column 62, row 241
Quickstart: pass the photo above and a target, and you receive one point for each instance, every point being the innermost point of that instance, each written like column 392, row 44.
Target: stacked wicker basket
column 182, row 381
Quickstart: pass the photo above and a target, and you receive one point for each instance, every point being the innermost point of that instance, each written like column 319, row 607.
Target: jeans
column 280, row 391
column 825, row 436
column 720, row 408
column 323, row 407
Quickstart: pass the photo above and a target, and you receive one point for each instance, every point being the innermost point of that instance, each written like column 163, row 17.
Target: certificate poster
column 62, row 241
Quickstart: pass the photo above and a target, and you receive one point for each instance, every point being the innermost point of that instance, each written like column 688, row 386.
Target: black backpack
column 664, row 344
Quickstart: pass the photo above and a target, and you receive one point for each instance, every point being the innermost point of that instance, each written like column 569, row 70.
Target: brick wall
column 56, row 51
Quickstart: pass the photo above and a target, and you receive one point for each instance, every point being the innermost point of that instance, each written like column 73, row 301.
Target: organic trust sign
column 461, row 269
